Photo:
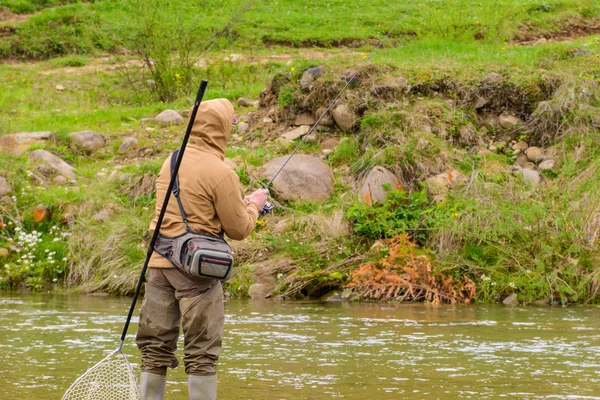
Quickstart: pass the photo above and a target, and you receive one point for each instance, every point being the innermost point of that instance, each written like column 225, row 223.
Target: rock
column 547, row 165
column 125, row 178
column 169, row 117
column 520, row 146
column 7, row 200
column 511, row 300
column 146, row 121
column 371, row 188
column 403, row 84
column 540, row 41
column 230, row 164
column 60, row 180
column 243, row 127
column 128, row 144
column 327, row 152
column 60, row 88
column 87, row 141
column 508, row 121
column 309, row 76
column 18, row 143
column 304, row 119
column 283, row 142
column 480, row 103
column 260, row 291
column 439, row 185
column 55, row 162
column 492, row 148
column 531, row 176
column 333, row 297
column 310, row 138
column 267, row 120
column 101, row 216
column 330, row 143
column 41, row 213
column 327, row 121
column 242, row 102
column 344, row 117
column 534, row 154
column 494, row 78
column 4, row 187
column 483, row 152
column 3, row 252
column 305, row 178
column 101, row 175
column 296, row 133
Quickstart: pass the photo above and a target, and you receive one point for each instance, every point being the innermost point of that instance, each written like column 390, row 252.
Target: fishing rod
column 268, row 206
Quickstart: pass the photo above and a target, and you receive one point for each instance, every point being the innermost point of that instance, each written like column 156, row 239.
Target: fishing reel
column 266, row 209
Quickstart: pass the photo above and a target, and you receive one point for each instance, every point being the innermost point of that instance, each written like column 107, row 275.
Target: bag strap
column 176, row 190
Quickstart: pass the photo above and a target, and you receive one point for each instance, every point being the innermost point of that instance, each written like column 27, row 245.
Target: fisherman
column 212, row 197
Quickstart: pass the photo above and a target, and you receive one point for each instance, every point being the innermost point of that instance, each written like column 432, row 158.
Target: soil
column 569, row 30
column 7, row 16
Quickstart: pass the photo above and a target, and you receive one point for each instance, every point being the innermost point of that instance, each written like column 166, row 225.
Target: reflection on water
column 323, row 351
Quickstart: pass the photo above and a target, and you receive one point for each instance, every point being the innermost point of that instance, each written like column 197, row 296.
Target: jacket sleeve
column 237, row 218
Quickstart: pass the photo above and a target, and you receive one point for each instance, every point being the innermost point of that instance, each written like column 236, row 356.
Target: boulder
column 230, row 163
column 534, row 154
column 511, row 300
column 242, row 102
column 531, row 176
column 309, row 76
column 508, row 121
column 55, row 162
column 60, row 180
column 547, row 165
column 344, row 117
column 372, row 186
column 523, row 162
column 260, row 291
column 330, row 143
column 304, row 119
column 296, row 133
column 128, row 144
column 18, row 143
column 169, row 117
column 87, row 141
column 41, row 213
column 243, row 127
column 4, row 187
column 305, row 178
column 520, row 146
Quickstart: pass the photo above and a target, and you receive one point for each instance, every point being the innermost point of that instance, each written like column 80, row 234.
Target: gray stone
column 305, row 178
column 260, row 291
column 344, row 117
column 243, row 127
column 125, row 178
column 531, row 176
column 4, row 187
column 511, row 300
column 60, row 180
column 296, row 133
column 534, row 154
column 242, row 102
column 541, row 41
column 128, row 144
column 330, row 143
column 230, row 163
column 547, row 165
column 494, row 78
column 53, row 161
column 267, row 120
column 439, row 185
column 7, row 200
column 508, row 121
column 304, row 119
column 88, row 141
column 309, row 76
column 372, row 187
column 333, row 297
column 169, row 117
column 310, row 138
column 60, row 88
column 480, row 103
column 18, row 143
column 520, row 146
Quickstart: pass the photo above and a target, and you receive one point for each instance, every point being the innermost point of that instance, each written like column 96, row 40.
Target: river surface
column 279, row 350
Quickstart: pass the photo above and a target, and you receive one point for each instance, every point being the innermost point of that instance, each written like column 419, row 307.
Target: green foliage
column 346, row 151
column 286, row 97
column 401, row 212
column 68, row 61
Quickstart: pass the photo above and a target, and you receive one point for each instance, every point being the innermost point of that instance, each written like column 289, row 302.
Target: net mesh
column 110, row 379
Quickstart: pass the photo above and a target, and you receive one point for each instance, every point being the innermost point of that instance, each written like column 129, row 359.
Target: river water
column 280, row 350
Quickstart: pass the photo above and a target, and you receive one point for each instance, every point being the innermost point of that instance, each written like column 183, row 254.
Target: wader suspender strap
column 176, row 190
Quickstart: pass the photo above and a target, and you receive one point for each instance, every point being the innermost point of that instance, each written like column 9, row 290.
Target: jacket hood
column 212, row 126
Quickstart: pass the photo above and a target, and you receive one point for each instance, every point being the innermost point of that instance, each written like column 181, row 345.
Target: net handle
column 163, row 210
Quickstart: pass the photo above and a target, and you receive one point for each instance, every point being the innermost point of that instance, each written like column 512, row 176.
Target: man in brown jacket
column 214, row 203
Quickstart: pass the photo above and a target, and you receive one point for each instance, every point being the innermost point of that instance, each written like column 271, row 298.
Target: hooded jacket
column 210, row 190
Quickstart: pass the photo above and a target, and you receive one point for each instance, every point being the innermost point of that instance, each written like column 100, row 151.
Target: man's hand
column 259, row 198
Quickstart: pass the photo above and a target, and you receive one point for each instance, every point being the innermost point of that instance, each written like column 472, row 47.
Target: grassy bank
column 487, row 234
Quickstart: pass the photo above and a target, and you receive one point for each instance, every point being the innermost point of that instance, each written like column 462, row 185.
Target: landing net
column 110, row 379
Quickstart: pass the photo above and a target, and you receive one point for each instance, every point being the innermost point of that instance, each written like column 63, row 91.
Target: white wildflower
column 512, row 285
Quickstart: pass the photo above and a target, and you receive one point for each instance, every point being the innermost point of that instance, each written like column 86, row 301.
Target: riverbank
column 491, row 147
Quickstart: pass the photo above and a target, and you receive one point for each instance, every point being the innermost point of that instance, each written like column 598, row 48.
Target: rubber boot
column 153, row 386
column 202, row 387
